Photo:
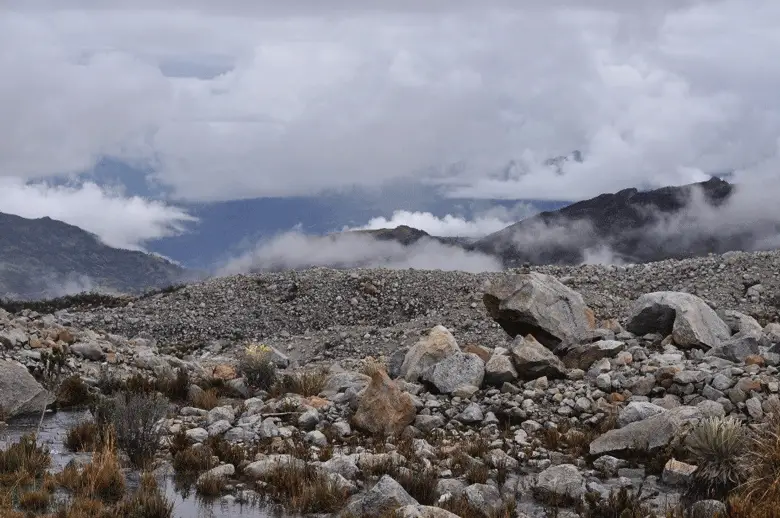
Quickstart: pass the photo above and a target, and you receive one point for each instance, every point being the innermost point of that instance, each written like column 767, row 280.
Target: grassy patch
column 207, row 399
column 84, row 436
column 304, row 489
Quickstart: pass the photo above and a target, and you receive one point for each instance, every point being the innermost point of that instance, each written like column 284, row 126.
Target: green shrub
column 717, row 445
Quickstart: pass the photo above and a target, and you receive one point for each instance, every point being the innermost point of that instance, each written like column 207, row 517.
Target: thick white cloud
column 119, row 221
column 307, row 97
column 451, row 225
column 295, row 250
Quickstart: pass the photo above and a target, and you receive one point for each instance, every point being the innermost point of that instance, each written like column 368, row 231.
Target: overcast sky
column 249, row 98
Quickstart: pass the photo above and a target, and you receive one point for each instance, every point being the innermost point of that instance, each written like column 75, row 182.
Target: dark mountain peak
column 45, row 257
column 618, row 221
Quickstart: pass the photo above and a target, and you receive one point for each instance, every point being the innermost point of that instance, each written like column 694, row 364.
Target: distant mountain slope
column 635, row 226
column 47, row 258
column 407, row 235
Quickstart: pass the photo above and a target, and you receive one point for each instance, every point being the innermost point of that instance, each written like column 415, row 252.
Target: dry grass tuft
column 192, row 461
column 210, row 487
column 24, row 459
column 100, row 479
column 83, row 437
column 305, row 490
column 207, row 400
column 306, row 382
column 147, row 502
column 37, row 500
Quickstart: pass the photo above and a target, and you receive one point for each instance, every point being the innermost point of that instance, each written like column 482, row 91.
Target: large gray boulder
column 533, row 360
column 428, row 351
column 456, row 371
column 386, row 496
column 539, row 305
column 563, row 482
column 20, row 393
column 647, row 435
column 690, row 321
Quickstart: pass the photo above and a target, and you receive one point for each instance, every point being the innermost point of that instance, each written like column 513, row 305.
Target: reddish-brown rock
column 384, row 409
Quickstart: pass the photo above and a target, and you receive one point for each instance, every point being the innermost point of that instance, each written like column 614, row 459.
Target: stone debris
column 539, row 384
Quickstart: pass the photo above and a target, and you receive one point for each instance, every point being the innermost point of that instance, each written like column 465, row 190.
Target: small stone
column 678, row 473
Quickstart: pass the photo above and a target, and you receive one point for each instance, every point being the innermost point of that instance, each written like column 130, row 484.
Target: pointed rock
column 383, row 408
column 533, row 360
column 430, row 350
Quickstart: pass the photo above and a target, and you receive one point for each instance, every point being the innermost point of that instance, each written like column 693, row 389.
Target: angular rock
column 647, row 435
column 560, row 482
column 690, row 321
column 471, row 414
column 533, row 360
column 427, row 423
column 582, row 356
column 88, row 350
column 197, row 435
column 309, row 420
column 499, row 370
column 637, row 411
column 455, row 371
column 13, row 337
column 387, row 495
column 266, row 466
column 383, row 408
column 484, row 498
column 423, row 511
column 221, row 413
column 737, row 349
column 709, row 509
column 221, row 472
column 609, row 465
column 343, row 381
column 539, row 305
column 740, row 323
column 20, row 393
column 438, row 345
column 678, row 473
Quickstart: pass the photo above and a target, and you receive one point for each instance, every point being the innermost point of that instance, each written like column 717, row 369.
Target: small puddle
column 186, row 504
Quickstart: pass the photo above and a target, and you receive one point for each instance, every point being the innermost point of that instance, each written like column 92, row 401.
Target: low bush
column 84, row 436
column 305, row 490
column 135, row 419
column 306, row 382
column 257, row 366
column 24, row 459
column 209, row 486
column 73, row 392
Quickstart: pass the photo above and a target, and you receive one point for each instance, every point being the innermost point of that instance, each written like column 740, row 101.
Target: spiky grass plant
column 717, row 445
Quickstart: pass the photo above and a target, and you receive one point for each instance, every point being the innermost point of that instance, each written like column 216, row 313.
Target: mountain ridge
column 45, row 257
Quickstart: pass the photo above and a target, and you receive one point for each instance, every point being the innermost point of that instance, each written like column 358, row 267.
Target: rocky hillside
column 42, row 258
column 552, row 391
column 335, row 313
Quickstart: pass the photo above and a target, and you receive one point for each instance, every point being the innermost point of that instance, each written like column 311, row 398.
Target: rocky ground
column 515, row 394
